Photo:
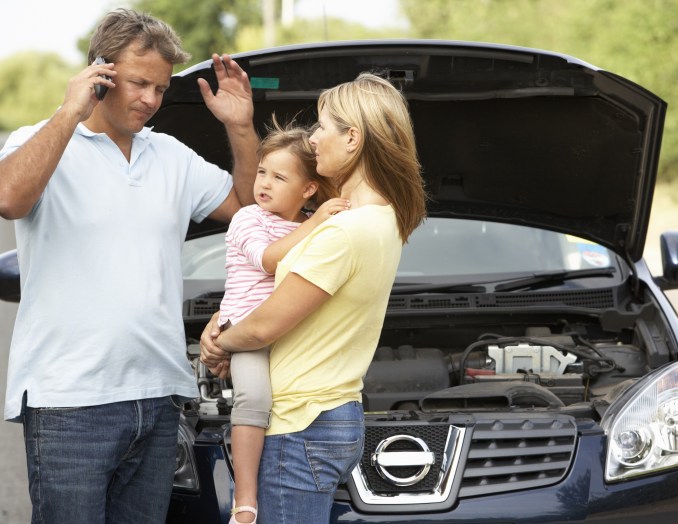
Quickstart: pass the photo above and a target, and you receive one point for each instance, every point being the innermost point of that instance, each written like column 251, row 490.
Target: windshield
column 444, row 248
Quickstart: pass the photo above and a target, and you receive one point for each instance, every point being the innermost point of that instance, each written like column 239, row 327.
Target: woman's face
column 330, row 145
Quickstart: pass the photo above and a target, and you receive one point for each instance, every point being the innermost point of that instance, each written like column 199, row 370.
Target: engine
column 536, row 368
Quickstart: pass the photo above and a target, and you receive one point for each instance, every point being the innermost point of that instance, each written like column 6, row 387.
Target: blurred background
column 43, row 44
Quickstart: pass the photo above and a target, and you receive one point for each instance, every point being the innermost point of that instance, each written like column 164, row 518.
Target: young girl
column 258, row 237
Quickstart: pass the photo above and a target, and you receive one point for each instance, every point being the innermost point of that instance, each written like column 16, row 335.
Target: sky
column 56, row 25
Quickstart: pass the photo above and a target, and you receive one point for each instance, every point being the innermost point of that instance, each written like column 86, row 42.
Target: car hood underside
column 504, row 133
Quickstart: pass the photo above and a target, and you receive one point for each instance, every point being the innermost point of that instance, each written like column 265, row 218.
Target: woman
column 325, row 316
column 258, row 237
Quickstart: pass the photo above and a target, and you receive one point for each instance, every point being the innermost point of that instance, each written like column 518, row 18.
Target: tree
column 205, row 26
column 208, row 26
column 25, row 100
column 634, row 38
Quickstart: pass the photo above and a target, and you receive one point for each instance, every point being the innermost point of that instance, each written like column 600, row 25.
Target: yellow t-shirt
column 320, row 364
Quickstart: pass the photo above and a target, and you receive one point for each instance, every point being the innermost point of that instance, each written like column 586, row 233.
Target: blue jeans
column 300, row 472
column 112, row 463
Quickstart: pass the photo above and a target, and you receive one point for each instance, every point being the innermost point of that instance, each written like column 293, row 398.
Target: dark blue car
column 527, row 369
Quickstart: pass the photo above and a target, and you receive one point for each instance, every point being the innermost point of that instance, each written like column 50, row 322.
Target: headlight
column 185, row 474
column 642, row 427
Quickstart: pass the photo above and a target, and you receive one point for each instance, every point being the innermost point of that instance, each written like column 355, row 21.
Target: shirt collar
column 83, row 130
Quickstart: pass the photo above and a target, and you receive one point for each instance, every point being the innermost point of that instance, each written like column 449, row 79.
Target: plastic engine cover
column 405, row 374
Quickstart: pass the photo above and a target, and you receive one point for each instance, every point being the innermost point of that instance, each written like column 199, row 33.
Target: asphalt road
column 14, row 501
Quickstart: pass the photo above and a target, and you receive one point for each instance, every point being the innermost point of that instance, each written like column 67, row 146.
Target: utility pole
column 268, row 11
column 287, row 15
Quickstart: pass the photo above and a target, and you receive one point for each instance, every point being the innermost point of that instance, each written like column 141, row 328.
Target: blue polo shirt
column 100, row 318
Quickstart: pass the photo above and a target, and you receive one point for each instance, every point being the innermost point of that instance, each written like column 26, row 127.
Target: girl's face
column 330, row 144
column 281, row 187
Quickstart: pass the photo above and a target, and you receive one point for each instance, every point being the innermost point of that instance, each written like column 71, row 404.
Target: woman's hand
column 211, row 354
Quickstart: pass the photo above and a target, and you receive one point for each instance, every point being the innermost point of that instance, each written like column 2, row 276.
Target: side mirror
column 10, row 290
column 668, row 244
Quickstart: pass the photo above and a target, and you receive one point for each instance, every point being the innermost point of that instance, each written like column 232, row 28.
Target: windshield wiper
column 537, row 280
column 553, row 278
column 414, row 289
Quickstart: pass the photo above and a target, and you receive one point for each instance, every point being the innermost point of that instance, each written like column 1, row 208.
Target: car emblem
column 387, row 463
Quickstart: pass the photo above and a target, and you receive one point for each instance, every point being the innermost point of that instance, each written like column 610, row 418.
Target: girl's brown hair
column 295, row 139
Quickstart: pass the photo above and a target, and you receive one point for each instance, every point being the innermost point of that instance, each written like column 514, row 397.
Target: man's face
column 139, row 86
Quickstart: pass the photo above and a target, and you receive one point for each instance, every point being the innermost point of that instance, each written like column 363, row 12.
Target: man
column 97, row 365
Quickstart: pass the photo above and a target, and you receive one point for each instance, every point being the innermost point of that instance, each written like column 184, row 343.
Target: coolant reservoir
column 538, row 359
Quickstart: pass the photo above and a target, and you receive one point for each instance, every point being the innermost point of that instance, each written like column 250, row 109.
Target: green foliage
column 305, row 31
column 23, row 99
column 633, row 38
column 205, row 26
column 230, row 26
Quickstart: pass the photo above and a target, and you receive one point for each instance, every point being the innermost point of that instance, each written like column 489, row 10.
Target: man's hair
column 387, row 152
column 295, row 139
column 122, row 27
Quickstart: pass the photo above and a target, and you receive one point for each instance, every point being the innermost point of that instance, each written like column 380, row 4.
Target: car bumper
column 582, row 496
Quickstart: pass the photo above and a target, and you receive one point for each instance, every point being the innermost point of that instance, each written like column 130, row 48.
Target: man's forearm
column 25, row 172
column 244, row 142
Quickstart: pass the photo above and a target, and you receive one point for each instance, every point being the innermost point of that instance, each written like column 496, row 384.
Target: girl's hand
column 330, row 208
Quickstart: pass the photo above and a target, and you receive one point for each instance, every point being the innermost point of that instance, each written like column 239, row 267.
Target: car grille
column 510, row 454
column 475, row 455
column 435, row 435
column 202, row 308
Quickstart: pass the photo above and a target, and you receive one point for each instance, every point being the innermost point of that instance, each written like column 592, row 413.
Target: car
column 527, row 370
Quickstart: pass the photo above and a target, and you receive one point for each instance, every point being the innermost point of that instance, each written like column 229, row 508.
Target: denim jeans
column 300, row 472
column 112, row 463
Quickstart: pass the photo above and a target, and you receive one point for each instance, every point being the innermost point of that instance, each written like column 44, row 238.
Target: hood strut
column 635, row 280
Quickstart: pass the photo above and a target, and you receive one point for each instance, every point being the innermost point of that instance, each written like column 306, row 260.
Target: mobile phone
column 99, row 90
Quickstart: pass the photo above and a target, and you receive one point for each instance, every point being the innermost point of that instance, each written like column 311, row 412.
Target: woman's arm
column 277, row 250
column 293, row 300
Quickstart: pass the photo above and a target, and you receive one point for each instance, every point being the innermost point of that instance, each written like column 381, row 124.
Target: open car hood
column 504, row 133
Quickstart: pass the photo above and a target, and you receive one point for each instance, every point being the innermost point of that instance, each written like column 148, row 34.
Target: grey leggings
column 252, row 388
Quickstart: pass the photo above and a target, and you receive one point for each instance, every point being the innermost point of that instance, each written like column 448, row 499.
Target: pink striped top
column 247, row 284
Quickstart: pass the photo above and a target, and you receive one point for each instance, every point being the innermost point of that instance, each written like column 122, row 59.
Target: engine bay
column 561, row 369
column 560, row 360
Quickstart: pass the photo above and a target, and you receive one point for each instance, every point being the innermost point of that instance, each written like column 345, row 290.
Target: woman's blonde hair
column 387, row 153
column 119, row 28
column 295, row 139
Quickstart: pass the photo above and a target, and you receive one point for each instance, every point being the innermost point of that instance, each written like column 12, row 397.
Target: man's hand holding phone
column 101, row 89
column 78, row 98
